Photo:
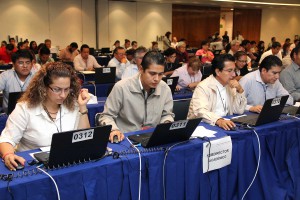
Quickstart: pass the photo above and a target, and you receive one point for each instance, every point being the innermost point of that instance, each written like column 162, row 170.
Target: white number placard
column 169, row 81
column 106, row 70
column 83, row 135
column 276, row 101
column 179, row 124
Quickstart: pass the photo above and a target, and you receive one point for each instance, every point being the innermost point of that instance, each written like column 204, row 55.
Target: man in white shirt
column 235, row 46
column 275, row 50
column 119, row 61
column 84, row 61
column 136, row 66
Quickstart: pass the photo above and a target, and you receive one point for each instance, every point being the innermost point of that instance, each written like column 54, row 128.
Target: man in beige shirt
column 69, row 53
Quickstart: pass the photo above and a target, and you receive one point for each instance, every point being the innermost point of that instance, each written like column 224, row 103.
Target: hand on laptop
column 118, row 133
column 225, row 124
column 256, row 109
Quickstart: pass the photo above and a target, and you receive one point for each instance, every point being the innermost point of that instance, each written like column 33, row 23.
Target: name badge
column 276, row 101
column 169, row 81
column 106, row 70
column 179, row 125
column 83, row 135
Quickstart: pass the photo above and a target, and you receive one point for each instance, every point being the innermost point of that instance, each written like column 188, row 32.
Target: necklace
column 223, row 103
column 53, row 118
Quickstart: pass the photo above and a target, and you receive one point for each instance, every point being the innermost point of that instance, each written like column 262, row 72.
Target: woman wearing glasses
column 171, row 62
column 241, row 68
column 53, row 102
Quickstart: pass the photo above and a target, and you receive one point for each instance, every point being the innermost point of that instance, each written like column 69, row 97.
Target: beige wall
column 279, row 23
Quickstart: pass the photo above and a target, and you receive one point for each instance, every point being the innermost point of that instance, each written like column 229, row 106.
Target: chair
column 181, row 108
column 97, row 119
column 206, row 71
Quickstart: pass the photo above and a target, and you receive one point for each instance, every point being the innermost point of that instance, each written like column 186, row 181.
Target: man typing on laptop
column 263, row 84
column 140, row 101
column 218, row 95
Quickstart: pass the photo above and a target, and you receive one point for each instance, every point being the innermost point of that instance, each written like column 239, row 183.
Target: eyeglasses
column 228, row 70
column 172, row 57
column 60, row 90
column 22, row 63
column 243, row 61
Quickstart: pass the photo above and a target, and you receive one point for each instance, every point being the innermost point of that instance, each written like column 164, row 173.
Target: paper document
column 201, row 131
column 87, row 72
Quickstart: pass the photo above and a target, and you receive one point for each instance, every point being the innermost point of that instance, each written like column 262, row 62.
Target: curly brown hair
column 36, row 91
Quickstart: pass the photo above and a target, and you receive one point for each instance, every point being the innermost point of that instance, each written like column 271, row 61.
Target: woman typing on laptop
column 53, row 102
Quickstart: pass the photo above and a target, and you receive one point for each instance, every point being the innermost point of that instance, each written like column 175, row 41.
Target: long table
column 278, row 176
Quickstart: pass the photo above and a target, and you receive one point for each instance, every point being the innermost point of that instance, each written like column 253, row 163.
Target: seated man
column 219, row 94
column 18, row 78
column 5, row 54
column 119, row 61
column 84, row 61
column 275, row 50
column 189, row 74
column 140, row 101
column 136, row 66
column 290, row 76
column 181, row 53
column 44, row 56
column 69, row 53
column 263, row 84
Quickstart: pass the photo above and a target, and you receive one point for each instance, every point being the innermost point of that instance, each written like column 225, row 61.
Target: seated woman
column 204, row 53
column 171, row 62
column 241, row 67
column 53, row 102
column 189, row 74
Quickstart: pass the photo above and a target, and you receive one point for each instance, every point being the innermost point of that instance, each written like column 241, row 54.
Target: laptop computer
column 13, row 98
column 270, row 112
column 167, row 133
column 291, row 110
column 75, row 146
column 105, row 50
column 171, row 82
column 105, row 75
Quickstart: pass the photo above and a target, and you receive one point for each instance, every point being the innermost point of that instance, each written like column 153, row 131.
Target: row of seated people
column 53, row 101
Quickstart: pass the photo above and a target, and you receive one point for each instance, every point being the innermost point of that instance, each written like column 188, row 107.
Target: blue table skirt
column 278, row 176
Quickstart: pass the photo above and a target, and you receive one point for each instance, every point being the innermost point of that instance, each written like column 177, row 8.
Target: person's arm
column 62, row 55
column 95, row 63
column 112, row 107
column 288, row 83
column 120, row 70
column 239, row 100
column 167, row 114
column 281, row 91
column 77, row 64
column 83, row 98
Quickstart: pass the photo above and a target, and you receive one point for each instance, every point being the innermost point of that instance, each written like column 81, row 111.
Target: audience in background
column 5, row 54
column 12, row 41
column 18, row 78
column 174, row 42
column 204, row 53
column 296, row 42
column 26, row 43
column 21, row 45
column 43, row 56
column 273, row 39
column 140, row 101
column 69, row 53
column 135, row 66
column 218, row 95
column 264, row 84
column 260, row 50
column 275, row 50
column 234, row 47
column 181, row 54
column 290, row 76
column 189, row 74
column 239, row 36
column 225, row 36
column 241, row 67
column 119, row 61
column 84, row 61
column 3, row 43
column 286, row 50
column 126, row 44
column 167, row 41
column 48, row 44
column 130, row 54
column 171, row 62
column 116, row 44
column 134, row 45
column 154, row 46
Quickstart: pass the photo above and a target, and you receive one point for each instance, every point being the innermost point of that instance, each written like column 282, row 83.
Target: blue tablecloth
column 278, row 176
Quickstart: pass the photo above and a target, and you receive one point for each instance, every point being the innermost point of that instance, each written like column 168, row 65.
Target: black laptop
column 291, row 110
column 13, row 98
column 105, row 75
column 105, row 50
column 171, row 82
column 167, row 133
column 270, row 112
column 75, row 146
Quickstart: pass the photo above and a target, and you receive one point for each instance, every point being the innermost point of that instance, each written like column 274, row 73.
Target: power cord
column 140, row 168
column 57, row 191
column 258, row 162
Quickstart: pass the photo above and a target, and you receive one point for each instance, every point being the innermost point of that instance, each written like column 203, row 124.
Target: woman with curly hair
column 53, row 102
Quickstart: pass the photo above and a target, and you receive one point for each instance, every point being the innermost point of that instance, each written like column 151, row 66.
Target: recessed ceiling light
column 255, row 2
column 231, row 8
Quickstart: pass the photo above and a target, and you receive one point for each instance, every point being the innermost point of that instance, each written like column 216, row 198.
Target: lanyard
column 46, row 110
column 19, row 82
column 223, row 103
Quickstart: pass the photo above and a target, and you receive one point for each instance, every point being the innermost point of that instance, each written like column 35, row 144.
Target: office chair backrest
column 181, row 108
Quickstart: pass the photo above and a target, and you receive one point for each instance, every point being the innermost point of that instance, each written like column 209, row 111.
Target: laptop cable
column 258, row 162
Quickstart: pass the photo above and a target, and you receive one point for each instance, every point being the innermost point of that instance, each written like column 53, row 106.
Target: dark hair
column 9, row 47
column 296, row 50
column 273, row 38
column 40, row 46
column 74, row 45
column 169, row 51
column 287, row 40
column 44, row 51
column 10, row 39
column 47, row 40
column 154, row 43
column 252, row 42
column 244, row 43
column 275, row 45
column 4, row 42
column 20, row 44
column 22, row 53
column 204, row 42
column 152, row 57
column 31, row 43
column 239, row 54
column 168, row 34
column 35, row 93
column 285, row 50
column 130, row 52
column 270, row 61
column 133, row 42
column 84, row 46
column 117, row 41
column 126, row 40
column 117, row 48
column 218, row 62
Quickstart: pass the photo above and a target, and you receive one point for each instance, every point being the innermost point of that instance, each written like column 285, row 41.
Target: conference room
column 210, row 162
